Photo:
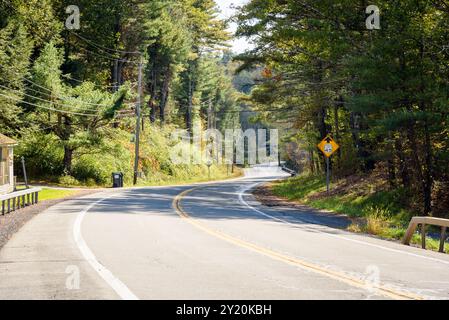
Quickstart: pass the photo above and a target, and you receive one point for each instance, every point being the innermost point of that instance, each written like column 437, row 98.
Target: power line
column 254, row 111
column 133, row 84
column 43, row 100
column 110, row 58
column 47, row 108
column 58, row 97
column 91, row 111
column 65, row 98
column 105, row 48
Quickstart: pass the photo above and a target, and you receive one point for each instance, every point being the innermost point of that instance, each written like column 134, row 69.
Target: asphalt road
column 207, row 242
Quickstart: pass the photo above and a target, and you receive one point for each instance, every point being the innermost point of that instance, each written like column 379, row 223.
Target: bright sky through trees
column 239, row 45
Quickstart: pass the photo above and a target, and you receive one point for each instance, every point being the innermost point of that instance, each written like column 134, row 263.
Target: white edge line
column 242, row 201
column 119, row 287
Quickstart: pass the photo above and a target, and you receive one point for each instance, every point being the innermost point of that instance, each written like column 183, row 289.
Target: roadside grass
column 53, row 194
column 156, row 179
column 216, row 175
column 380, row 213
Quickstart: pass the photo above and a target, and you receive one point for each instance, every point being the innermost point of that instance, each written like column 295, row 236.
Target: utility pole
column 138, row 116
column 209, row 116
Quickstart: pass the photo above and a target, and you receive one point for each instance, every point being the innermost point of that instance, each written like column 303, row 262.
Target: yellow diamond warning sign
column 328, row 146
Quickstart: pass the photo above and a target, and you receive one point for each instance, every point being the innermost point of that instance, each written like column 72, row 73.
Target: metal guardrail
column 20, row 199
column 424, row 221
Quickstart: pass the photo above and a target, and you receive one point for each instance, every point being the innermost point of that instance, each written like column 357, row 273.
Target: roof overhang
column 7, row 142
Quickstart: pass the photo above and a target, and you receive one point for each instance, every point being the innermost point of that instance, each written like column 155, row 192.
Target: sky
column 238, row 45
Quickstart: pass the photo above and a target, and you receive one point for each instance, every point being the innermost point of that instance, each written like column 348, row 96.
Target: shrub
column 67, row 180
column 42, row 152
column 377, row 220
column 97, row 168
column 94, row 165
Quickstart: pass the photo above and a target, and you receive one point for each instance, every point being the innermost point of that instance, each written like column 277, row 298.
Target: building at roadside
column 6, row 164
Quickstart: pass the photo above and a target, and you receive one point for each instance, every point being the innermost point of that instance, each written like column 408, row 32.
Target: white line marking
column 119, row 287
column 242, row 201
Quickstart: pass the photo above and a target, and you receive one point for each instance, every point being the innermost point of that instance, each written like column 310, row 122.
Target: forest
column 71, row 87
column 69, row 96
column 382, row 93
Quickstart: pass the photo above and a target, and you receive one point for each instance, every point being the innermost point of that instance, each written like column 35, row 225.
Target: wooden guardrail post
column 423, row 236
column 19, row 199
column 424, row 221
column 442, row 239
column 409, row 233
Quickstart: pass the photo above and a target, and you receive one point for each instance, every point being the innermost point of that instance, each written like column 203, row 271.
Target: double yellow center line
column 355, row 282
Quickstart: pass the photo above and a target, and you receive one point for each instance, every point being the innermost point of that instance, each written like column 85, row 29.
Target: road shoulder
column 12, row 222
column 42, row 261
column 265, row 197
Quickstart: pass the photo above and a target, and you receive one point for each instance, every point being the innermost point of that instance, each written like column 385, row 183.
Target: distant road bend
column 210, row 241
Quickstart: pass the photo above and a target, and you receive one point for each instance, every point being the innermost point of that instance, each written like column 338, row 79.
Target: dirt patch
column 265, row 195
column 358, row 185
column 10, row 223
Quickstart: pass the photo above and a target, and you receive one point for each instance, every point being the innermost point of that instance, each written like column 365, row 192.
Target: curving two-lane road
column 207, row 242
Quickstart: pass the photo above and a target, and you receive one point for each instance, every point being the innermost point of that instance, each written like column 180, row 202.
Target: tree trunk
column 337, row 128
column 420, row 171
column 153, row 94
column 68, row 157
column 428, row 167
column 152, row 108
column 115, row 64
column 165, row 94
column 390, row 161
column 64, row 132
column 391, row 171
column 114, row 76
column 355, row 131
column 428, row 170
column 121, row 65
column 403, row 167
column 312, row 164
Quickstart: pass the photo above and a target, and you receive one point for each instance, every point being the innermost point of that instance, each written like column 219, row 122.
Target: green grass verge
column 382, row 213
column 217, row 174
column 53, row 194
column 156, row 179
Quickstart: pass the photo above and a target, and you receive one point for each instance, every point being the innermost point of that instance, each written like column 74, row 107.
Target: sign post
column 24, row 172
column 328, row 147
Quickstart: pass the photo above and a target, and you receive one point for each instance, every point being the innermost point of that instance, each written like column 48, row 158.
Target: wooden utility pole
column 138, row 116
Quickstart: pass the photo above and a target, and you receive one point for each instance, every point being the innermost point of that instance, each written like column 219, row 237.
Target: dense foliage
column 69, row 96
column 382, row 94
